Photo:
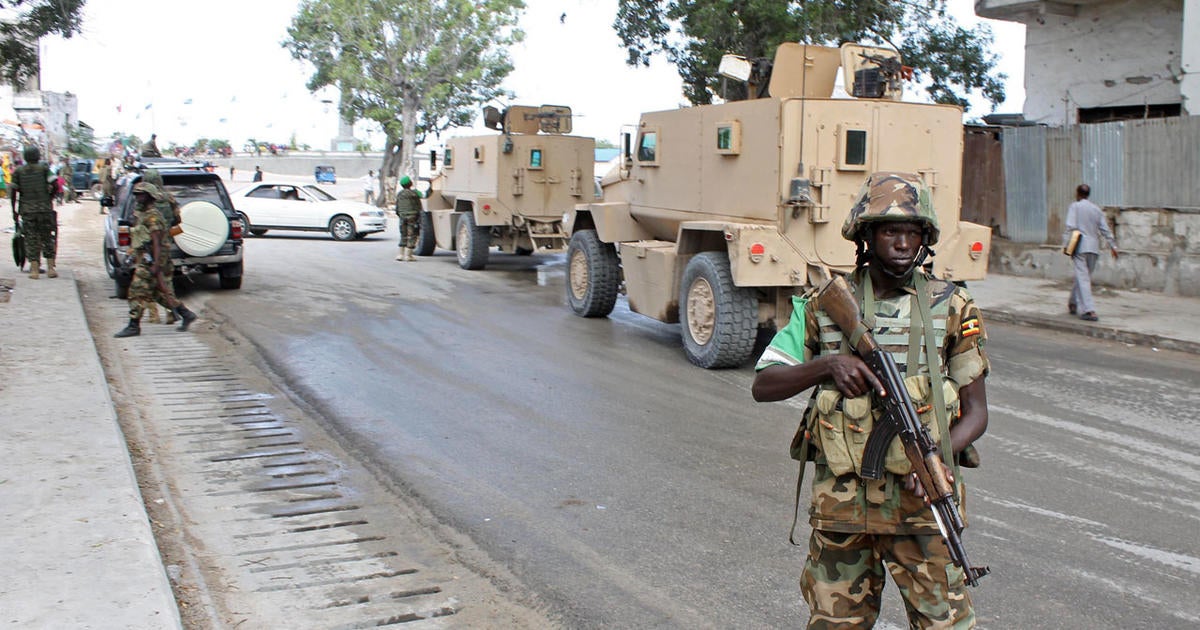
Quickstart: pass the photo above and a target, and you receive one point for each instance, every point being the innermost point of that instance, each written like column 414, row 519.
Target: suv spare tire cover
column 205, row 228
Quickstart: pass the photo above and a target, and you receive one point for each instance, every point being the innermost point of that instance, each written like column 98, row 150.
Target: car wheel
column 230, row 276
column 426, row 239
column 122, row 285
column 718, row 320
column 523, row 251
column 110, row 262
column 341, row 228
column 593, row 275
column 473, row 243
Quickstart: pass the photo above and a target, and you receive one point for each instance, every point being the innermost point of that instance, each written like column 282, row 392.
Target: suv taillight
column 235, row 230
column 122, row 236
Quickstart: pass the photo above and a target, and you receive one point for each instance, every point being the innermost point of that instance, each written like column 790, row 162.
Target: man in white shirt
column 1088, row 218
column 370, row 185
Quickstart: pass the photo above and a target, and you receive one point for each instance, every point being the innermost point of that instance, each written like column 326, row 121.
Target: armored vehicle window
column 478, row 154
column 854, row 151
column 729, row 138
column 648, row 147
column 535, row 158
column 448, row 158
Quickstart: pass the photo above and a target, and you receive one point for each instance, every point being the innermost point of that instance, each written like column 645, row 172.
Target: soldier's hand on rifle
column 914, row 486
column 852, row 376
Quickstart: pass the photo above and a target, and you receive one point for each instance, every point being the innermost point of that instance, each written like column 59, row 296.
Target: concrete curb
column 1098, row 331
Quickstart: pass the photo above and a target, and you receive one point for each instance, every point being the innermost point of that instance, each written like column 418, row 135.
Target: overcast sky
column 217, row 70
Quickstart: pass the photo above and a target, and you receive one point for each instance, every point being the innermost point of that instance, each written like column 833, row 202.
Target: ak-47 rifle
column 899, row 419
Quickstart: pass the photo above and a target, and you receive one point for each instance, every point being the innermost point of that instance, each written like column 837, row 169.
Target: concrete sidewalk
column 77, row 544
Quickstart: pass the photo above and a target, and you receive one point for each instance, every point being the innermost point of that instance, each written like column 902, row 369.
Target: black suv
column 188, row 185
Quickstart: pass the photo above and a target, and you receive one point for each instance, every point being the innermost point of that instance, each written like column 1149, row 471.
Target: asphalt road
column 630, row 489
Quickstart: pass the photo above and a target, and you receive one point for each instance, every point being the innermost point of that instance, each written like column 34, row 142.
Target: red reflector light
column 976, row 250
column 757, row 249
column 487, row 206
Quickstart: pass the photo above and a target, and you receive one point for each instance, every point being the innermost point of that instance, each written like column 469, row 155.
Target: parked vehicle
column 509, row 189
column 275, row 206
column 85, row 177
column 203, row 199
column 719, row 214
column 325, row 175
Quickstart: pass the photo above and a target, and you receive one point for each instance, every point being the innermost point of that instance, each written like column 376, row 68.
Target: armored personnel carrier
column 511, row 189
column 719, row 214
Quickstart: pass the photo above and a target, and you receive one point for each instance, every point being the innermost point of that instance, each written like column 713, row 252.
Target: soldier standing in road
column 32, row 198
column 1088, row 218
column 147, row 245
column 860, row 527
column 408, row 209
column 169, row 209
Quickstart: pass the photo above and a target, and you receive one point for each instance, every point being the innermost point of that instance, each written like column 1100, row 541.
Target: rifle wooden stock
column 899, row 419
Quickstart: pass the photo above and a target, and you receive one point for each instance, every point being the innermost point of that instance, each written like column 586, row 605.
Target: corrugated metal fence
column 1138, row 163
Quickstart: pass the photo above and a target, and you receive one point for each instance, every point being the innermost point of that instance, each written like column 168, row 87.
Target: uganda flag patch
column 970, row 327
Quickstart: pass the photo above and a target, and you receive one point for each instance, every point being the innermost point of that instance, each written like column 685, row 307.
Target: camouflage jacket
column 842, row 501
column 37, row 193
column 141, row 235
column 408, row 202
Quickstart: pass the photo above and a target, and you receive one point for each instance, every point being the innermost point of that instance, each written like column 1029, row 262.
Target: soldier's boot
column 408, row 254
column 400, row 256
column 171, row 318
column 51, row 272
column 186, row 317
column 132, row 330
column 34, row 269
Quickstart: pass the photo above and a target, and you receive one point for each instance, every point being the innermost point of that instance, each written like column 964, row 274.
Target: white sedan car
column 275, row 206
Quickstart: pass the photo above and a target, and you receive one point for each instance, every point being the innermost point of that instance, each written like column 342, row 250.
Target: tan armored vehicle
column 511, row 189
column 720, row 213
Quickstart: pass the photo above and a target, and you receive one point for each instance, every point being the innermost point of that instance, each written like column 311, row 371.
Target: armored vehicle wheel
column 473, row 243
column 593, row 275
column 426, row 239
column 341, row 228
column 718, row 320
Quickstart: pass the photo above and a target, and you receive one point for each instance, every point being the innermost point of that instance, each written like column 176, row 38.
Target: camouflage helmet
column 152, row 176
column 889, row 196
column 148, row 188
column 31, row 154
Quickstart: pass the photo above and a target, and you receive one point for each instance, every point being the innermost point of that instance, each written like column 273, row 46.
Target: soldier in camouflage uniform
column 67, row 172
column 168, row 207
column 862, row 527
column 147, row 245
column 408, row 209
column 32, row 198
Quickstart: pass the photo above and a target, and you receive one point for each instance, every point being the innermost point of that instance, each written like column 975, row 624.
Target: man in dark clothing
column 32, row 195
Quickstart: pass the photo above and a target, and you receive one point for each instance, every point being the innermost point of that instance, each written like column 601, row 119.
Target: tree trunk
column 389, row 172
column 408, row 131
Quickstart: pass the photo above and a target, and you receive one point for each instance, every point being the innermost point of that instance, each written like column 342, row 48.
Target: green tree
column 602, row 143
column 81, row 141
column 28, row 21
column 413, row 66
column 949, row 61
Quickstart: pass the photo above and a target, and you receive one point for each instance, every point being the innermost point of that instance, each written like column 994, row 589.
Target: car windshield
column 319, row 194
column 196, row 190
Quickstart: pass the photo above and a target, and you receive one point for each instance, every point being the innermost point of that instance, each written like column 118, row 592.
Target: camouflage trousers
column 41, row 235
column 410, row 228
column 146, row 288
column 844, row 576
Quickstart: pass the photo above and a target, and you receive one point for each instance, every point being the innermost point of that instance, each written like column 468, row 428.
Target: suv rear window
column 189, row 190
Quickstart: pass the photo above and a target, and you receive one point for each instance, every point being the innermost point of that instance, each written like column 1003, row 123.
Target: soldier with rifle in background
column 148, row 245
column 892, row 352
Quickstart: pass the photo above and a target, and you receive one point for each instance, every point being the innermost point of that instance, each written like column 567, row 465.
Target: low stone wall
column 1160, row 251
column 348, row 164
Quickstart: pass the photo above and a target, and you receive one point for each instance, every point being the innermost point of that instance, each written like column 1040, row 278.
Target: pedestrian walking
column 31, row 194
column 862, row 528
column 408, row 209
column 258, row 174
column 148, row 247
column 370, row 185
column 231, row 172
column 1088, row 219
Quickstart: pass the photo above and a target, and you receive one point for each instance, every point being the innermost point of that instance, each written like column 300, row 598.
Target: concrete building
column 1100, row 60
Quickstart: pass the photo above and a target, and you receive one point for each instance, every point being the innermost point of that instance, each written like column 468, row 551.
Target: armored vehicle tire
column 426, row 239
column 341, row 228
column 593, row 275
column 473, row 243
column 718, row 320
